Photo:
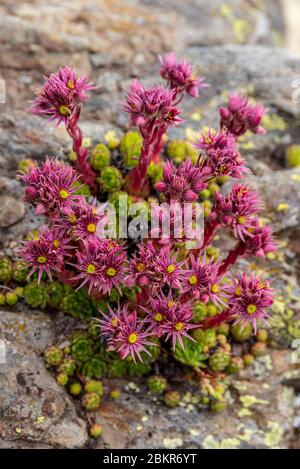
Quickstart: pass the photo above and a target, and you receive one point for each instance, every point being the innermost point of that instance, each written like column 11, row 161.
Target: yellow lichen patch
column 248, row 400
column 244, row 412
column 196, row 116
column 248, row 145
column 191, row 134
column 227, row 443
column 274, row 435
column 273, row 122
column 282, row 207
column 86, row 142
column 40, row 419
column 172, row 443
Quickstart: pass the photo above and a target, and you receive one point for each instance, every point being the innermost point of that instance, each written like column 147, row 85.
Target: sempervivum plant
column 153, row 290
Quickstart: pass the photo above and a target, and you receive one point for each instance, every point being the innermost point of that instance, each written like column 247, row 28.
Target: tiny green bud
column 100, row 157
column 75, row 389
column 26, row 165
column 218, row 406
column 172, row 398
column 131, row 147
column 205, row 194
column 68, row 366
column 241, row 332
column 223, row 329
column 248, row 359
column 110, row 179
column 293, row 156
column 11, row 298
column 2, row 299
column 262, row 335
column 95, row 430
column 259, row 349
column 19, row 291
column 157, row 384
column 213, row 188
column 91, row 401
column 53, row 356
column 62, row 379
column 236, row 365
column 20, row 271
column 115, row 394
column 94, row 386
column 111, row 139
column 6, row 270
column 219, row 360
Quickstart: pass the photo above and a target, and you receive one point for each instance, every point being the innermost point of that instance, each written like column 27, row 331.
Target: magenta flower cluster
column 168, row 278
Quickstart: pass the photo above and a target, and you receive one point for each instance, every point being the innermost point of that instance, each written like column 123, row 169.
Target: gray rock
column 11, row 211
column 260, row 417
column 33, row 408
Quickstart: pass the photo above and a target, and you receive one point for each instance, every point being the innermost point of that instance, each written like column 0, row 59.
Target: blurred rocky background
column 238, row 46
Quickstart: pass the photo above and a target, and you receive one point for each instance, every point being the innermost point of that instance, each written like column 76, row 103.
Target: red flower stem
column 232, row 257
column 209, row 232
column 216, row 320
column 158, row 145
column 88, row 174
column 136, row 177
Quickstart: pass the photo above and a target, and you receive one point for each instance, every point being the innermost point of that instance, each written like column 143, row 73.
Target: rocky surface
column 34, row 409
column 260, row 418
column 113, row 41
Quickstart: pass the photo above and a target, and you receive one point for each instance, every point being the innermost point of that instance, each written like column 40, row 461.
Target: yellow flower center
column 132, row 338
column 241, row 220
column 171, row 304
column 114, row 322
column 70, row 85
column 64, row 194
column 111, row 272
column 208, row 141
column 91, row 227
column 56, row 243
column 193, row 280
column 215, row 288
column 64, row 110
column 140, row 267
column 158, row 317
column 238, row 291
column 72, row 218
column 42, row 259
column 261, row 285
column 91, row 269
column 179, row 326
column 251, row 309
column 170, row 268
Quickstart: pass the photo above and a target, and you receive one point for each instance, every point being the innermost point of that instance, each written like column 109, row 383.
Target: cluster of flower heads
column 72, row 236
column 150, row 108
column 240, row 116
column 72, row 245
column 61, row 94
column 180, row 75
column 248, row 298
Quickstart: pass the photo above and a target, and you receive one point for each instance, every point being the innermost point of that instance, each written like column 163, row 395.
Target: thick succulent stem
column 216, row 320
column 232, row 257
column 82, row 165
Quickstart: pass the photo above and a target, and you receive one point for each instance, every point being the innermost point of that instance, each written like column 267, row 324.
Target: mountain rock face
column 234, row 45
